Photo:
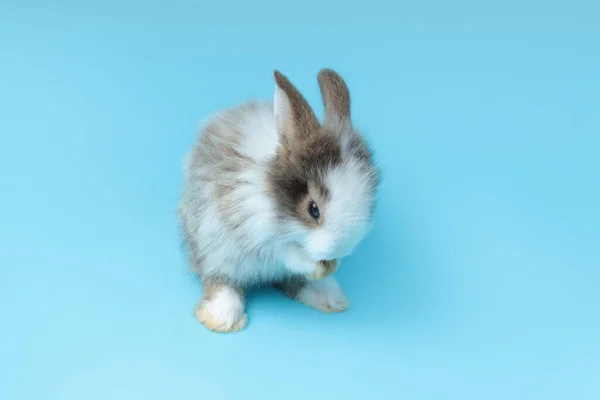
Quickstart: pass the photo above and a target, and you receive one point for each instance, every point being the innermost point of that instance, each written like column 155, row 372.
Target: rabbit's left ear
column 294, row 118
column 336, row 97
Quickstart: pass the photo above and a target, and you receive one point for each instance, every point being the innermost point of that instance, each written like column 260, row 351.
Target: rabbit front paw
column 323, row 268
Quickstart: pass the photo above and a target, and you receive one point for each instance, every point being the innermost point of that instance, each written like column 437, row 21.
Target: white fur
column 226, row 307
column 297, row 260
column 261, row 140
column 324, row 294
column 346, row 215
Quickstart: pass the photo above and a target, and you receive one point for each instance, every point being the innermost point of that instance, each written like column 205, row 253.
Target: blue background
column 480, row 279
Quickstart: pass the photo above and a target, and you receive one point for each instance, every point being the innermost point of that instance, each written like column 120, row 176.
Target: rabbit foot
column 222, row 310
column 324, row 295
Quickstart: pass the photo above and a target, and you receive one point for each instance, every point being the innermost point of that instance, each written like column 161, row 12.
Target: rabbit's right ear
column 336, row 97
column 294, row 118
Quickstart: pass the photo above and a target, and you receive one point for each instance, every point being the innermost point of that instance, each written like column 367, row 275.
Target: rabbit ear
column 336, row 97
column 294, row 117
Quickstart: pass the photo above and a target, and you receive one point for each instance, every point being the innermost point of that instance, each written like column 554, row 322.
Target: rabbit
column 273, row 197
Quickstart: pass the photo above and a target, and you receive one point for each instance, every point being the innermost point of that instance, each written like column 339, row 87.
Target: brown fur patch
column 297, row 175
column 291, row 286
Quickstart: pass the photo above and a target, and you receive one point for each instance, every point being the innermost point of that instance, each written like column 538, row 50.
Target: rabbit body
column 271, row 196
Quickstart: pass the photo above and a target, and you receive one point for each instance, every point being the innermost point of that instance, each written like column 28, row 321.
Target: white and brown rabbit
column 271, row 196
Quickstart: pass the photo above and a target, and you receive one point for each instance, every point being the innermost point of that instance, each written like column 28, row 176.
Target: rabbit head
column 323, row 179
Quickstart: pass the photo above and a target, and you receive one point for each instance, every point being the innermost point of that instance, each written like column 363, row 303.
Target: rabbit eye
column 313, row 210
